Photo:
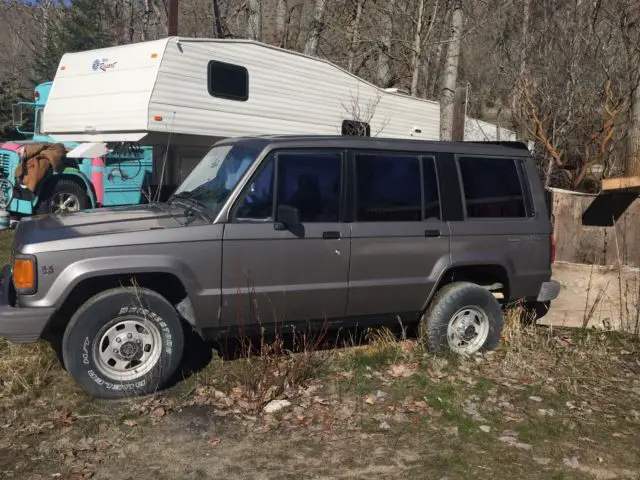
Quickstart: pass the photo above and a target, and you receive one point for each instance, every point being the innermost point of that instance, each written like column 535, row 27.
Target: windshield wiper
column 193, row 205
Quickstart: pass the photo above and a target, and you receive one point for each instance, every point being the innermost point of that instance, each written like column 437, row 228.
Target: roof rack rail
column 513, row 144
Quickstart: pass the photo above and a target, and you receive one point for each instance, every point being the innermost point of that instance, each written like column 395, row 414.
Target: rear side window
column 388, row 188
column 492, row 188
column 229, row 81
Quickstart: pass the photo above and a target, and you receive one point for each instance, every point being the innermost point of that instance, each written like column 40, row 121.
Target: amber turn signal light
column 24, row 274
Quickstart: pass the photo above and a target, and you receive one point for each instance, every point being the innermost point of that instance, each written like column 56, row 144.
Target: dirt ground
column 544, row 405
column 548, row 403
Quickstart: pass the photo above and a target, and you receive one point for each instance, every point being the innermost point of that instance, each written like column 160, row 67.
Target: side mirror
column 16, row 111
column 288, row 216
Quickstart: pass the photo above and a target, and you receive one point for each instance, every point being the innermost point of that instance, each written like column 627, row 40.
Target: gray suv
column 289, row 230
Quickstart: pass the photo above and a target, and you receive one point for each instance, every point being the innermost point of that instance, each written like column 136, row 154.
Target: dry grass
column 26, row 369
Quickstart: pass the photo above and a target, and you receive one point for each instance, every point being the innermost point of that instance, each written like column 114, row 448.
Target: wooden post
column 459, row 100
column 172, row 19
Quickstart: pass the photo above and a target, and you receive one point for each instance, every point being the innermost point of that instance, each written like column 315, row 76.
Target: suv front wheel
column 463, row 318
column 123, row 342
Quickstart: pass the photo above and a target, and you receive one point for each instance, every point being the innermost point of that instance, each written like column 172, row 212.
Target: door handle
column 432, row 233
column 330, row 235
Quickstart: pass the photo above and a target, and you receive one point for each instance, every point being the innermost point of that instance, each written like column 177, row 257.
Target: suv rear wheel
column 463, row 318
column 123, row 342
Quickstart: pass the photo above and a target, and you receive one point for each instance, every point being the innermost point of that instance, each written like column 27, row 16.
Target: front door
column 399, row 242
column 274, row 274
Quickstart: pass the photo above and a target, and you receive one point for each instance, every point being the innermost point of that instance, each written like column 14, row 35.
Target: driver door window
column 309, row 182
column 257, row 202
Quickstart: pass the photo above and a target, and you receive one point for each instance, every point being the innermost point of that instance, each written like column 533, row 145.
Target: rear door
column 499, row 225
column 273, row 274
column 399, row 240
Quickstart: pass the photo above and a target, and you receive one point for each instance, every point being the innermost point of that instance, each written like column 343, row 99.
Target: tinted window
column 431, row 194
column 257, row 203
column 492, row 188
column 311, row 183
column 229, row 81
column 388, row 188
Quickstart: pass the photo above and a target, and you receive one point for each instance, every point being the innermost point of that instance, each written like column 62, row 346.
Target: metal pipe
column 172, row 18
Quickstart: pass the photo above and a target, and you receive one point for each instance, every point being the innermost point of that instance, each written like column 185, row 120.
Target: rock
column 380, row 395
column 535, row 399
column 384, row 426
column 453, row 431
column 485, row 428
column 276, row 405
column 514, row 442
column 571, row 462
column 542, row 461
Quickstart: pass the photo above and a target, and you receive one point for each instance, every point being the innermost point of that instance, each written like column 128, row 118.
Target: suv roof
column 340, row 141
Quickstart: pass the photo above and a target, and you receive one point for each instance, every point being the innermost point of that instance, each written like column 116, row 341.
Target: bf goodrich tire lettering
column 448, row 303
column 89, row 365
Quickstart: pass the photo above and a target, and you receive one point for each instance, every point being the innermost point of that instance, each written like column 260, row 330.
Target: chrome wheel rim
column 468, row 330
column 6, row 193
column 127, row 348
column 65, row 202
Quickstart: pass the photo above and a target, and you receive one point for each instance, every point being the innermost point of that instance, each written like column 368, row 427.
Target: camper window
column 228, row 81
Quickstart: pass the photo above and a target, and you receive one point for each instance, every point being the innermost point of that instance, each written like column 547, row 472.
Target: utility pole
column 172, row 19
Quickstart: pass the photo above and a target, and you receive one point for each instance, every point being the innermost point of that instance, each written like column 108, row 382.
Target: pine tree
column 8, row 96
column 81, row 26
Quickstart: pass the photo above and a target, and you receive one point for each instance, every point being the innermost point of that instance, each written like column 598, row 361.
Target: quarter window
column 388, row 188
column 492, row 188
column 229, row 81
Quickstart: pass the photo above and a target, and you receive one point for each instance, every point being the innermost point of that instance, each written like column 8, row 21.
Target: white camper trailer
column 191, row 92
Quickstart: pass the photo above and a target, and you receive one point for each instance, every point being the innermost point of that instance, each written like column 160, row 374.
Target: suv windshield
column 216, row 175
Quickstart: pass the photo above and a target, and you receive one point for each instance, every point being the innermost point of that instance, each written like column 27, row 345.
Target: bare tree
column 450, row 75
column 386, row 34
column 317, row 25
column 355, row 35
column 254, row 19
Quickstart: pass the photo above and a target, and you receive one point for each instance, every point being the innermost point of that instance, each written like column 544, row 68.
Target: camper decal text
column 103, row 64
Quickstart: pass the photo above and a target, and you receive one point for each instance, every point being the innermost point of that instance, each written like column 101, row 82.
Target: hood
column 99, row 222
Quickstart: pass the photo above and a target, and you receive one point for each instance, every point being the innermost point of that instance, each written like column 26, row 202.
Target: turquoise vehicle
column 117, row 178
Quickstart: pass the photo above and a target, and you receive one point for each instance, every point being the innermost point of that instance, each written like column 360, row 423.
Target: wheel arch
column 72, row 175
column 167, row 284
column 493, row 276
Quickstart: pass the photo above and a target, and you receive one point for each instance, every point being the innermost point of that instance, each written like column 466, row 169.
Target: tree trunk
column 217, row 21
column 450, row 74
column 633, row 134
column 524, row 41
column 281, row 23
column 355, row 36
column 254, row 27
column 416, row 52
column 386, row 27
column 311, row 45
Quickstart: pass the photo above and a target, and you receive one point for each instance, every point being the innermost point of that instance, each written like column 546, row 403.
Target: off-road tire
column 449, row 300
column 110, row 307
column 63, row 185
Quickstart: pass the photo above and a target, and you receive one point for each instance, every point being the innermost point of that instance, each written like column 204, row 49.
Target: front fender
column 82, row 270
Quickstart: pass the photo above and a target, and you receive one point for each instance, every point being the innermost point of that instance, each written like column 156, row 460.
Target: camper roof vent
column 396, row 90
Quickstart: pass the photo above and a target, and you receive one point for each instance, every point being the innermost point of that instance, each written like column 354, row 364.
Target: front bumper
column 548, row 291
column 17, row 324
